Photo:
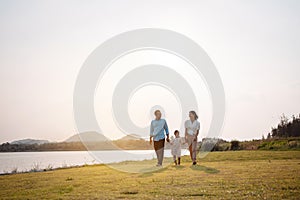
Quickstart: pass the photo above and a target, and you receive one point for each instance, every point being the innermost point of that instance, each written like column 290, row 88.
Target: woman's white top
column 192, row 127
column 176, row 146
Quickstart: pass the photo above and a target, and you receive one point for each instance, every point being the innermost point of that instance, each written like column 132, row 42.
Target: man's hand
column 150, row 140
column 168, row 140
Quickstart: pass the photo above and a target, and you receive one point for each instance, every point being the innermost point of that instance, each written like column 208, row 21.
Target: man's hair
column 194, row 113
column 156, row 112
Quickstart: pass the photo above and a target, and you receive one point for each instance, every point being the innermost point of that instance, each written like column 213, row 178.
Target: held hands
column 168, row 140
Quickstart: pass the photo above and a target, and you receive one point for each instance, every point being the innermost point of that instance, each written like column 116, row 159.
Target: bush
column 280, row 145
column 235, row 145
column 293, row 144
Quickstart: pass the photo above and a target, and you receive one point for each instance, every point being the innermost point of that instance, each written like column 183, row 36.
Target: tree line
column 286, row 135
column 286, row 128
column 77, row 146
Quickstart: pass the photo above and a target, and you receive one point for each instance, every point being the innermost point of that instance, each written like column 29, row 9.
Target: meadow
column 220, row 175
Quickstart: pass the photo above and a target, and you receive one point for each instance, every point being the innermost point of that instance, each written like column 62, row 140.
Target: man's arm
column 167, row 131
column 151, row 129
column 150, row 140
column 151, row 132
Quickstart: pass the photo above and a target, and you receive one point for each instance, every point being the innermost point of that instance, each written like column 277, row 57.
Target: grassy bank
column 220, row 175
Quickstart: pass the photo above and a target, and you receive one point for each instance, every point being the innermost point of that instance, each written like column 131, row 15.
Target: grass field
column 220, row 175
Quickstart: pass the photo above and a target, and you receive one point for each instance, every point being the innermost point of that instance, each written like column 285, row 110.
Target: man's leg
column 156, row 150
column 161, row 151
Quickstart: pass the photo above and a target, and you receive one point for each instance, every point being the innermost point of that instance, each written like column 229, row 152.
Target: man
column 157, row 132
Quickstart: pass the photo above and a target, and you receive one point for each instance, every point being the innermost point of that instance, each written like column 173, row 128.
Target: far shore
column 207, row 144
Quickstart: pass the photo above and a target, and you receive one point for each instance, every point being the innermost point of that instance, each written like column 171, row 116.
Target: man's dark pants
column 159, row 150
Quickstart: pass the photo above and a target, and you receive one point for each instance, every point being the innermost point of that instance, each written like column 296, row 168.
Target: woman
column 192, row 127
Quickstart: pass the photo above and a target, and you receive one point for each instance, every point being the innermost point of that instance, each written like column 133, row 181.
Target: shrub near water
column 282, row 144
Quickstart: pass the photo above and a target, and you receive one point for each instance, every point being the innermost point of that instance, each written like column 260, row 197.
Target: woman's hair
column 176, row 131
column 194, row 113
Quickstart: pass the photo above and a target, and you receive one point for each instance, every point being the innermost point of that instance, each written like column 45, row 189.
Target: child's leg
column 174, row 158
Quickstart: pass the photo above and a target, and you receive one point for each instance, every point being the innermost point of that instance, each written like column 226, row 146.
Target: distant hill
column 29, row 141
column 131, row 137
column 87, row 137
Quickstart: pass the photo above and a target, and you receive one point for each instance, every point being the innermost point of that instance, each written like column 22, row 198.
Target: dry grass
column 220, row 175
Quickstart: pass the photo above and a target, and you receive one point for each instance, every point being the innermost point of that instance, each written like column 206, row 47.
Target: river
column 29, row 161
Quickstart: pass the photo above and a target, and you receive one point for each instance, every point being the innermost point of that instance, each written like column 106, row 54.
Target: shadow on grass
column 152, row 170
column 129, row 192
column 200, row 194
column 208, row 170
column 178, row 167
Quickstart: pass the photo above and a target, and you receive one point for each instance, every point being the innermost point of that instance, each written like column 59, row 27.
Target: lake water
column 26, row 161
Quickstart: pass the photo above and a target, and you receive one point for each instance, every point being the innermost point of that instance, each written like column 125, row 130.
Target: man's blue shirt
column 158, row 128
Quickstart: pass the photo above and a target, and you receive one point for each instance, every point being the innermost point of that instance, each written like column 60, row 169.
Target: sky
column 255, row 45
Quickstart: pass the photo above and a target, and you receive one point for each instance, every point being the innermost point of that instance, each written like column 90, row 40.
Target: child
column 176, row 147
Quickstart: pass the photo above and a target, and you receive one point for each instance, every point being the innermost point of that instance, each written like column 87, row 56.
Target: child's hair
column 176, row 131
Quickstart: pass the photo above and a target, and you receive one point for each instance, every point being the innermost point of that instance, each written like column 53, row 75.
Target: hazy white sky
column 254, row 44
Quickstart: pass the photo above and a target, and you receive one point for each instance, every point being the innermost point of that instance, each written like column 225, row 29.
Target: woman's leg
column 194, row 151
column 191, row 151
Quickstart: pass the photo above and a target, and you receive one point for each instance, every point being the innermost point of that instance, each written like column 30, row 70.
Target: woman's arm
column 185, row 131
column 197, row 132
column 185, row 135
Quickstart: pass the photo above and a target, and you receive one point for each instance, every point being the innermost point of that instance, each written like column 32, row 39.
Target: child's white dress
column 176, row 147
